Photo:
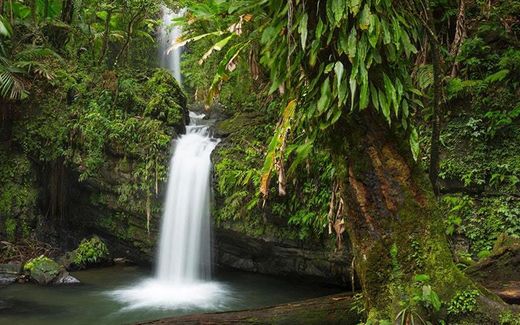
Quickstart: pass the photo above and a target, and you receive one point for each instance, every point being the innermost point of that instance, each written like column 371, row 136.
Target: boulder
column 9, row 273
column 43, row 270
column 500, row 272
column 11, row 268
column 6, row 279
column 65, row 278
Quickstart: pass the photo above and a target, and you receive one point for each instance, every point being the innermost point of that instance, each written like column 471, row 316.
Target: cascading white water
column 185, row 246
column 168, row 34
column 184, row 258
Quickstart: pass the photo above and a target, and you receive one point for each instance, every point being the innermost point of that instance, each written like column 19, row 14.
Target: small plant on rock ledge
column 463, row 302
column 90, row 251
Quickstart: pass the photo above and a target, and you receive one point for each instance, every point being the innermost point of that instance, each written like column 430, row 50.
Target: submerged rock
column 11, row 268
column 65, row 278
column 6, row 279
column 9, row 273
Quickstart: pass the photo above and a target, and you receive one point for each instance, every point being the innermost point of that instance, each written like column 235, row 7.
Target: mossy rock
column 42, row 269
column 167, row 101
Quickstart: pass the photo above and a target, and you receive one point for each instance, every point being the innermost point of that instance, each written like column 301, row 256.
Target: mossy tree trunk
column 392, row 218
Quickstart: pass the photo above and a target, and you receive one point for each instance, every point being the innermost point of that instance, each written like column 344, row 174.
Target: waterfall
column 168, row 33
column 184, row 257
column 185, row 245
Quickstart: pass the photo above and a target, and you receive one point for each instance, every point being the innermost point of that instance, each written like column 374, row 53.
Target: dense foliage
column 447, row 69
column 83, row 107
column 87, row 122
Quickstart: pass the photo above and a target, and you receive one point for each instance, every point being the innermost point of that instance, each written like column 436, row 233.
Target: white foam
column 156, row 294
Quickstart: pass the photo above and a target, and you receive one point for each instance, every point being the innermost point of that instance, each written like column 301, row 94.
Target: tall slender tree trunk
column 105, row 37
column 460, row 35
column 436, row 105
column 392, row 218
column 33, row 11
column 1, row 7
column 67, row 11
column 45, row 9
column 129, row 33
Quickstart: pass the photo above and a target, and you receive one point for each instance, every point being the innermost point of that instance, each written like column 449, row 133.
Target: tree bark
column 32, row 5
column 460, row 35
column 67, row 11
column 392, row 218
column 129, row 33
column 436, row 105
column 325, row 310
column 105, row 37
column 45, row 9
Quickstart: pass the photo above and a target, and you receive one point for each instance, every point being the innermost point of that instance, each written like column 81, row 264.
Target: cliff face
column 93, row 155
column 92, row 159
column 270, row 238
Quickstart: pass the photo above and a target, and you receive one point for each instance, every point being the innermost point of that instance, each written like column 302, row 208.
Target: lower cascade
column 184, row 261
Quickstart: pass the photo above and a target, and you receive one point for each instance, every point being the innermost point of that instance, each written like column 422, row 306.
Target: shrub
column 90, row 251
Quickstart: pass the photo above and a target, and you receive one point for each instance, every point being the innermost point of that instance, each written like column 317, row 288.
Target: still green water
column 91, row 302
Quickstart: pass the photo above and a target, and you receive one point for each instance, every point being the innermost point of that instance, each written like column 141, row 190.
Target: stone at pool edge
column 65, row 278
column 6, row 279
column 9, row 273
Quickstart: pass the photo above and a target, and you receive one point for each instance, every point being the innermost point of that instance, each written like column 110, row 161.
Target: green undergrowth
column 108, row 128
column 18, row 195
column 90, row 251
column 301, row 214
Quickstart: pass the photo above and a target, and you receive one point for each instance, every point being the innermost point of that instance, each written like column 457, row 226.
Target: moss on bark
column 395, row 225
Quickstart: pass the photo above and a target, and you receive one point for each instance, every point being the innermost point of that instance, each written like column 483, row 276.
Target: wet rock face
column 500, row 272
column 9, row 273
column 66, row 278
column 267, row 256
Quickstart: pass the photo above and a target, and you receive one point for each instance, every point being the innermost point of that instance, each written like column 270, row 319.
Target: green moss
column 42, row 269
column 509, row 318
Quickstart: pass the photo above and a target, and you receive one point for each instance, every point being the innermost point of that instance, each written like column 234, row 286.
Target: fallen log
column 333, row 309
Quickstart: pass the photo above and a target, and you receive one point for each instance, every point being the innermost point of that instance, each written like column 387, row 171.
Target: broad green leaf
column 363, row 94
column 339, row 70
column 408, row 47
column 374, row 30
column 302, row 29
column 338, row 8
column 353, row 88
column 387, row 37
column 385, row 106
column 354, row 6
column 352, row 44
column 373, row 95
column 391, row 93
column 216, row 47
column 319, row 29
column 364, row 18
column 325, row 98
column 277, row 142
column 414, row 143
column 5, row 27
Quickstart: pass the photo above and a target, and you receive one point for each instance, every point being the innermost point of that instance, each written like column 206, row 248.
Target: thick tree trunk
column 325, row 310
column 392, row 219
